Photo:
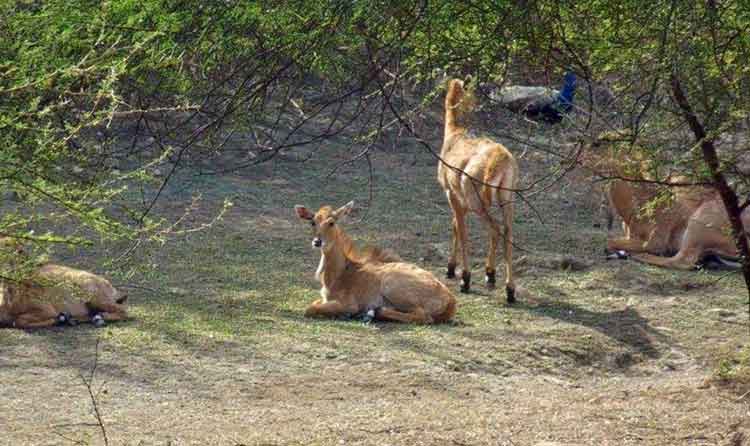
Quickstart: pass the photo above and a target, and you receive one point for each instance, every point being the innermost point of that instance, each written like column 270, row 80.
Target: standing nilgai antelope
column 476, row 173
column 376, row 281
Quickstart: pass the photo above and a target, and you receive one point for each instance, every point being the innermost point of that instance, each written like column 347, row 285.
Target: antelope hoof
column 618, row 255
column 64, row 318
column 451, row 271
column 98, row 320
column 489, row 280
column 465, row 281
column 367, row 316
column 510, row 294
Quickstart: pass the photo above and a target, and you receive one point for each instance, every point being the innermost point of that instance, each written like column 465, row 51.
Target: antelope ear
column 344, row 210
column 303, row 213
column 122, row 299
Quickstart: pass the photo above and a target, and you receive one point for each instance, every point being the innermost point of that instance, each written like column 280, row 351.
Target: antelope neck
column 334, row 259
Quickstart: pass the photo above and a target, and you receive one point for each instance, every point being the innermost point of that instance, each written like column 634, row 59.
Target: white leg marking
column 320, row 266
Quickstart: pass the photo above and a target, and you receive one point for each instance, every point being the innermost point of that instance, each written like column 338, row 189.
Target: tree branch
column 728, row 195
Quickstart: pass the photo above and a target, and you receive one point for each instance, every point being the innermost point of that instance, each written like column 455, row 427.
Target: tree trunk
column 728, row 196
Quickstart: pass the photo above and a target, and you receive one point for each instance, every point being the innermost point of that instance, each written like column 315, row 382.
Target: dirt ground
column 218, row 353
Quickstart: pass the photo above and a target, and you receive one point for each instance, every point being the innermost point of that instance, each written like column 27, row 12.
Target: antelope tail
column 498, row 159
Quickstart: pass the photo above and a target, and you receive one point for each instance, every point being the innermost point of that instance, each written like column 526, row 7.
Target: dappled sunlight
column 165, row 145
column 220, row 316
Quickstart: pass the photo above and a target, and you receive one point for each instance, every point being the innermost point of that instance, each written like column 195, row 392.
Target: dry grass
column 218, row 351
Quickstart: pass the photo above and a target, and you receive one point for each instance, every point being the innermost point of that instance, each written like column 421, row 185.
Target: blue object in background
column 553, row 109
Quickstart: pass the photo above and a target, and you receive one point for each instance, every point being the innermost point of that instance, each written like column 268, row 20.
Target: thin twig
column 88, row 383
column 72, row 440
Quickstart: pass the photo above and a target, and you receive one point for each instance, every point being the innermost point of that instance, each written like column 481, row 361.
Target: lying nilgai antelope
column 476, row 174
column 56, row 294
column 376, row 281
column 686, row 228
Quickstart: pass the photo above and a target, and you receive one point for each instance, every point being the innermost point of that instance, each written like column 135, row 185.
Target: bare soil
column 218, row 353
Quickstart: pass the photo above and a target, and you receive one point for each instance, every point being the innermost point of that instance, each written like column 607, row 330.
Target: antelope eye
column 330, row 223
column 312, row 223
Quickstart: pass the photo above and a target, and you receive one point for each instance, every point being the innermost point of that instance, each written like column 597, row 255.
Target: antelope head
column 324, row 226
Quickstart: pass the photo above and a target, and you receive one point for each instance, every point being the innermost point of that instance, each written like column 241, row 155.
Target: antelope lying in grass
column 691, row 225
column 57, row 294
column 376, row 282
column 476, row 173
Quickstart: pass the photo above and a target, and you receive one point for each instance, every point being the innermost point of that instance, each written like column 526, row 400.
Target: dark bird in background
column 541, row 103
